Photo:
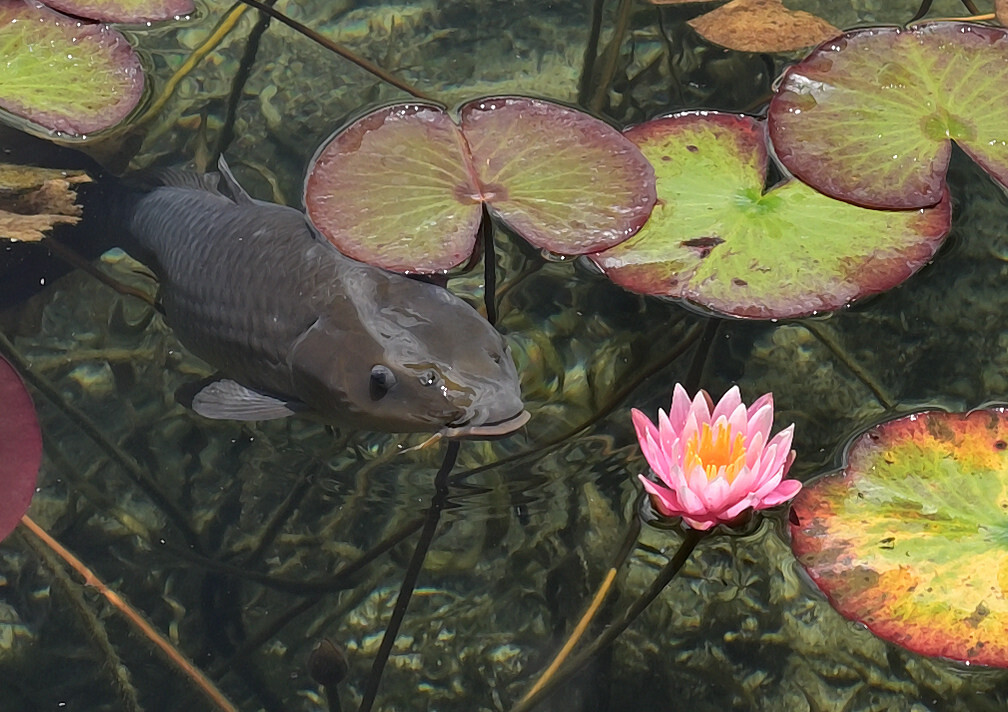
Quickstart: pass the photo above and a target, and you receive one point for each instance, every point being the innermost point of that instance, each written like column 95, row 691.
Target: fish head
column 414, row 358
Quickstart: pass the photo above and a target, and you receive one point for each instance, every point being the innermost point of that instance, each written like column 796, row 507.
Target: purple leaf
column 20, row 449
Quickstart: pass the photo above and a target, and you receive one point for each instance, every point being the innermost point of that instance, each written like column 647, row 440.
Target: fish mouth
column 485, row 431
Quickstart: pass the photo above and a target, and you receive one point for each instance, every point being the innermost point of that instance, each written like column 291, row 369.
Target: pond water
column 234, row 539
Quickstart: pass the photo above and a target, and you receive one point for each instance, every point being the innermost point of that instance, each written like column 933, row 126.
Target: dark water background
column 228, row 536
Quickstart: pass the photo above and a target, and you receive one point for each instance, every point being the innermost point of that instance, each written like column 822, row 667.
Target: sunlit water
column 230, row 537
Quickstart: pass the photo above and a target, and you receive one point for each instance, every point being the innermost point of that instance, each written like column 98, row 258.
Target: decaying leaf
column 33, row 200
column 762, row 26
column 1001, row 11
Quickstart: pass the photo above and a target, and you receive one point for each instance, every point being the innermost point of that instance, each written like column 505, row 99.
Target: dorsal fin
column 231, row 185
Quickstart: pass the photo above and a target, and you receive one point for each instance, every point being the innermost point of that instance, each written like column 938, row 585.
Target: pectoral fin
column 229, row 400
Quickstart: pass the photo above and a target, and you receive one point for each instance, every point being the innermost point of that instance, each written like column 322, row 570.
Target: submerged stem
column 826, row 338
column 668, row 572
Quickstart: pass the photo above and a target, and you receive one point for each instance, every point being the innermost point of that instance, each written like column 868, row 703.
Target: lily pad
column 562, row 179
column 911, row 538
column 404, row 186
column 126, row 11
column 393, row 189
column 20, row 449
column 718, row 240
column 869, row 116
column 64, row 75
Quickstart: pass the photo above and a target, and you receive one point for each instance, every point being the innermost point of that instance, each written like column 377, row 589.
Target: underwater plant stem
column 125, row 692
column 826, row 338
column 701, row 355
column 489, row 267
column 342, row 51
column 140, row 478
column 438, row 502
column 589, row 615
column 590, row 53
column 667, row 573
column 170, row 651
column 610, row 56
column 197, row 56
column 241, row 77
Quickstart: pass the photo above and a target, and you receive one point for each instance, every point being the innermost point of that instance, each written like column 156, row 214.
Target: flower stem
column 668, row 572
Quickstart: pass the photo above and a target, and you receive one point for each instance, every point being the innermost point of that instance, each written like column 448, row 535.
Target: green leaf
column 911, row 538
column 63, row 75
column 716, row 240
column 868, row 117
column 561, row 179
column 393, row 189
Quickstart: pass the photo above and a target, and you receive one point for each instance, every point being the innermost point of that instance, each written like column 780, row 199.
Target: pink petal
column 755, row 450
column 642, row 424
column 655, row 457
column 665, row 499
column 728, row 403
column 762, row 402
column 759, row 424
column 785, row 491
column 680, row 407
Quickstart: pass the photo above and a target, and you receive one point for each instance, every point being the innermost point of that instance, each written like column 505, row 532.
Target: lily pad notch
column 404, row 186
column 911, row 537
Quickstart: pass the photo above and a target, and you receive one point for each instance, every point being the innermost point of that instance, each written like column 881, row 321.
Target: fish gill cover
column 411, row 182
column 911, row 537
column 20, row 449
column 716, row 239
column 868, row 117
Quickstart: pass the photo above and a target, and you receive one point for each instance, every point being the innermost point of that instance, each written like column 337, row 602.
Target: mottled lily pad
column 869, row 117
column 393, row 189
column 125, row 11
column 63, row 75
column 404, row 186
column 562, row 179
column 20, row 449
column 718, row 240
column 911, row 538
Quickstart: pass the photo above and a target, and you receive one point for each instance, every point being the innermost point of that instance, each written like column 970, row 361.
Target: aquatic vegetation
column 909, row 538
column 869, row 117
column 20, row 448
column 404, row 187
column 718, row 239
column 761, row 26
column 130, row 11
column 715, row 462
column 64, row 75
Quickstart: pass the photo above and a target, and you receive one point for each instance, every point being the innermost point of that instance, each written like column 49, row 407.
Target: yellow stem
column 134, row 616
column 974, row 18
column 575, row 636
column 197, row 56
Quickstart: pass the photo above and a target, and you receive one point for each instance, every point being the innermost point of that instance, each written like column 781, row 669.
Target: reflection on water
column 234, row 538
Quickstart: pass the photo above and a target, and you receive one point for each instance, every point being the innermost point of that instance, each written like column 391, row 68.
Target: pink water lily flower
column 715, row 462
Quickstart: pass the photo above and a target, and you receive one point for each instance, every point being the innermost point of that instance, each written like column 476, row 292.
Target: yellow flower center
column 716, row 452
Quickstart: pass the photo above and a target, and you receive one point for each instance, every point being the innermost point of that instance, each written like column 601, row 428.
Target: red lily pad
column 403, row 187
column 868, row 117
column 562, row 179
column 20, row 449
column 126, row 11
column 911, row 538
column 64, row 75
column 716, row 239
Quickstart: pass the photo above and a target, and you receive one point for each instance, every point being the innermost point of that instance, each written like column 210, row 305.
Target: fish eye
column 382, row 381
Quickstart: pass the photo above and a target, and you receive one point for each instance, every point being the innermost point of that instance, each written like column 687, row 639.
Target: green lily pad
column 20, row 449
column 718, row 240
column 393, row 189
column 562, row 179
column 868, row 117
column 403, row 187
column 128, row 11
column 911, row 538
column 63, row 75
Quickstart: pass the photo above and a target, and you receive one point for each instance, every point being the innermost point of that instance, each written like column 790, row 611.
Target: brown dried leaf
column 30, row 228
column 1001, row 11
column 680, row 2
column 33, row 200
column 762, row 26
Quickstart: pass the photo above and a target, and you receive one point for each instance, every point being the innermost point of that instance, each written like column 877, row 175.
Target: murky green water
column 233, row 538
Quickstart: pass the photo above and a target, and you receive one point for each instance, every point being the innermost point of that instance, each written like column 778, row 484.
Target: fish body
column 295, row 326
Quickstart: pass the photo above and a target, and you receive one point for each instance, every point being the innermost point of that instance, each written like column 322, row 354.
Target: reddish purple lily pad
column 716, row 239
column 125, row 11
column 911, row 537
column 64, row 75
column 869, row 117
column 404, row 186
column 20, row 449
column 562, row 179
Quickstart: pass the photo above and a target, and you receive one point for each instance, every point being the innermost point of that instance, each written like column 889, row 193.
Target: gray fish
column 296, row 327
